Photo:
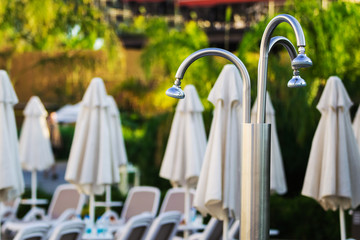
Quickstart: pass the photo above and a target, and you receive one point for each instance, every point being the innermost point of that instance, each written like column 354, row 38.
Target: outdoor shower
column 255, row 170
column 176, row 92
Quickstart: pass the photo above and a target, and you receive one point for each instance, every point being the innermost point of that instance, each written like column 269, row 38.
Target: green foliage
column 52, row 25
column 167, row 47
column 303, row 218
column 228, row 14
column 145, row 141
column 332, row 35
column 137, row 26
column 67, row 133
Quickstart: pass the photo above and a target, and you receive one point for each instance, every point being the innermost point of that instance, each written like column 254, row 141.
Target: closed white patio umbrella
column 186, row 145
column 35, row 146
column 332, row 175
column 11, row 178
column 218, row 189
column 277, row 174
column 92, row 164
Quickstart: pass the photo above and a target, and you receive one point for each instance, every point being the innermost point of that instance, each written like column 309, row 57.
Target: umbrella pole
column 108, row 197
column 187, row 210
column 92, row 208
column 225, row 228
column 33, row 188
column 342, row 223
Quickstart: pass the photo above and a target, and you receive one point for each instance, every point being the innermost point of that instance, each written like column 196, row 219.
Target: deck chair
column 33, row 232
column 139, row 200
column 66, row 203
column 68, row 230
column 175, row 199
column 164, row 226
column 136, row 227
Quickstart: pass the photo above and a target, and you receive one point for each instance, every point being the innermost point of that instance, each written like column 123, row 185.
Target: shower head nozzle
column 175, row 92
column 296, row 82
column 301, row 61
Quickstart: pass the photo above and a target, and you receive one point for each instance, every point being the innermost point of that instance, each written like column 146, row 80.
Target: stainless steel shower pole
column 255, row 169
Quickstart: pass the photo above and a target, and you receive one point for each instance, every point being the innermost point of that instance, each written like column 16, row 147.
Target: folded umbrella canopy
column 186, row 145
column 218, row 189
column 187, row 142
column 332, row 175
column 34, row 143
column 11, row 178
column 277, row 175
column 92, row 164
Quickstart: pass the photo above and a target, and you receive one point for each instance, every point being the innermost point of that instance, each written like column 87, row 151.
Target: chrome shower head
column 301, row 60
column 296, row 81
column 175, row 91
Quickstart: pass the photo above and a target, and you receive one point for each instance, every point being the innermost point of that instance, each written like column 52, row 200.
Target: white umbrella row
column 97, row 152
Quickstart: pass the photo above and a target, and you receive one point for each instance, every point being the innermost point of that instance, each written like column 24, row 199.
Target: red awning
column 208, row 3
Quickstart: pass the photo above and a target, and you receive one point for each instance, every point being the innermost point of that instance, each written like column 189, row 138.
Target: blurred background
column 53, row 48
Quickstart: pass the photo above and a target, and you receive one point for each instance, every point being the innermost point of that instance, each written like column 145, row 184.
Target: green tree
column 52, row 25
column 69, row 37
column 167, row 47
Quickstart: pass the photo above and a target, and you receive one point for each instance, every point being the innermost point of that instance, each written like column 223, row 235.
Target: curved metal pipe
column 284, row 42
column 264, row 52
column 232, row 58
